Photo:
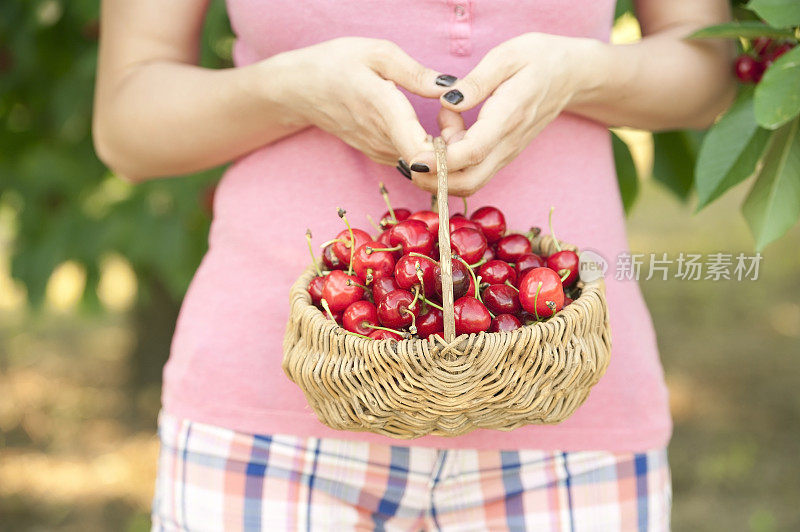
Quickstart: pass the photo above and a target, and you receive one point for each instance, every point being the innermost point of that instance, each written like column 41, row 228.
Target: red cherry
column 774, row 55
column 512, row 247
column 488, row 254
column 497, row 272
column 342, row 248
column 400, row 214
column 382, row 334
column 458, row 221
column 550, row 298
column 468, row 243
column 330, row 260
column 315, row 288
column 382, row 286
column 462, row 280
column 395, row 309
column 377, row 263
column 747, row 69
column 761, row 44
column 413, row 236
column 430, row 218
column 491, row 221
column 405, row 273
column 504, row 322
column 430, row 322
column 501, row 299
column 470, row 316
column 471, row 290
column 530, row 260
column 568, row 300
column 337, row 316
column 357, row 315
column 338, row 293
column 564, row 260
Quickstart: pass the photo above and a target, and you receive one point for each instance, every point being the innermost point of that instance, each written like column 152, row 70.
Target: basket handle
column 445, row 256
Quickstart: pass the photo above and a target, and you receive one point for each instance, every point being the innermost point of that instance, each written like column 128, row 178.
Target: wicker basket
column 538, row 374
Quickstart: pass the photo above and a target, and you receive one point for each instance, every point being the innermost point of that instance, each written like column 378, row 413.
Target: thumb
column 479, row 84
column 392, row 63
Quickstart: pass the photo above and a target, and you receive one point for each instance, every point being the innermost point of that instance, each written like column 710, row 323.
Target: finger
column 402, row 125
column 451, row 127
column 463, row 183
column 475, row 87
column 392, row 63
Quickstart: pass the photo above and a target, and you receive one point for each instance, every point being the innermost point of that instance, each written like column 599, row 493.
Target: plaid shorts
column 210, row 478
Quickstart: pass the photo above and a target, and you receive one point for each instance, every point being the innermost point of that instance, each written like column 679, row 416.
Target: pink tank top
column 225, row 364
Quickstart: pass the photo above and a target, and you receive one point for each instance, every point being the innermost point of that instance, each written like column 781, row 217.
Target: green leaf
column 627, row 177
column 673, row 162
column 730, row 150
column 748, row 29
column 780, row 13
column 773, row 204
column 778, row 92
column 622, row 7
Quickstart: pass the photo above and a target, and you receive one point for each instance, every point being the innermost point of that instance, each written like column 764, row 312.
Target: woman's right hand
column 349, row 88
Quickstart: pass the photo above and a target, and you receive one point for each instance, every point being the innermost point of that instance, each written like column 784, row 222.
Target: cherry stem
column 311, row 250
column 474, row 279
column 565, row 274
column 431, row 303
column 329, row 242
column 551, row 305
column 479, row 263
column 356, row 334
column 536, row 301
column 370, row 250
column 371, row 326
column 477, row 289
column 385, row 194
column 552, row 233
column 418, row 269
column 465, row 206
column 491, row 313
column 413, row 327
column 416, row 297
column 351, row 282
column 421, row 256
column 327, row 308
column 369, row 277
column 508, row 283
column 371, row 221
column 352, row 244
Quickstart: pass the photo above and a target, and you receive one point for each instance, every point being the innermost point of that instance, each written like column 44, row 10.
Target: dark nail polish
column 446, row 80
column 454, row 96
column 404, row 165
column 420, row 167
column 403, row 171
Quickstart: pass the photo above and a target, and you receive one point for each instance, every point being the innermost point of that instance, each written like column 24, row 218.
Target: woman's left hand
column 525, row 82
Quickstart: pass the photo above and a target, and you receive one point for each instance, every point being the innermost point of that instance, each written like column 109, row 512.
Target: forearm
column 662, row 82
column 168, row 118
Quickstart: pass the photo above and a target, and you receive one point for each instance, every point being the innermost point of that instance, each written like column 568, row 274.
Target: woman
column 326, row 98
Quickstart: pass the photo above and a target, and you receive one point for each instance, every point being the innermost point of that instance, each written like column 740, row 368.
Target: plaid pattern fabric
column 212, row 478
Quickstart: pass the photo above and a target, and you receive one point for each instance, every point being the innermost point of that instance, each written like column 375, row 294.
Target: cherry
column 541, row 292
column 491, row 221
column 458, row 221
column 462, row 280
column 468, row 243
column 510, row 248
column 396, row 309
column 488, row 254
column 383, row 238
column 399, row 215
column 382, row 286
column 412, row 236
column 776, row 53
column 341, row 248
column 370, row 265
column 562, row 262
column 330, row 260
column 504, row 322
column 497, row 272
column 748, row 69
column 383, row 334
column 470, row 316
column 501, row 299
column 530, row 260
column 315, row 288
column 568, row 300
column 357, row 315
column 340, row 291
column 430, row 218
column 405, row 273
column 430, row 322
column 761, row 44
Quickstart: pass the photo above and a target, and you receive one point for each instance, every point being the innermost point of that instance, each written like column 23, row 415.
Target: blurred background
column 92, row 272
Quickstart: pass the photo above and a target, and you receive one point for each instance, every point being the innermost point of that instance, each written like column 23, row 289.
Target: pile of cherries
column 750, row 67
column 389, row 287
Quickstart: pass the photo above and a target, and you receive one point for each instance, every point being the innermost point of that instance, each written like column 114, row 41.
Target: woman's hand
column 348, row 87
column 525, row 82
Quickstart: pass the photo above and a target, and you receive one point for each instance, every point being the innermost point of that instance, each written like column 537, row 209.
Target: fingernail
column 420, row 167
column 404, row 165
column 446, row 80
column 403, row 171
column 454, row 96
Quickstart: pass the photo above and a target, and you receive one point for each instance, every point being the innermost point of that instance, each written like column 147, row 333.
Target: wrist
column 588, row 70
column 277, row 89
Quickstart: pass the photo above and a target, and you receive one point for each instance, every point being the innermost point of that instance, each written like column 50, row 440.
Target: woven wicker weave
column 538, row 374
